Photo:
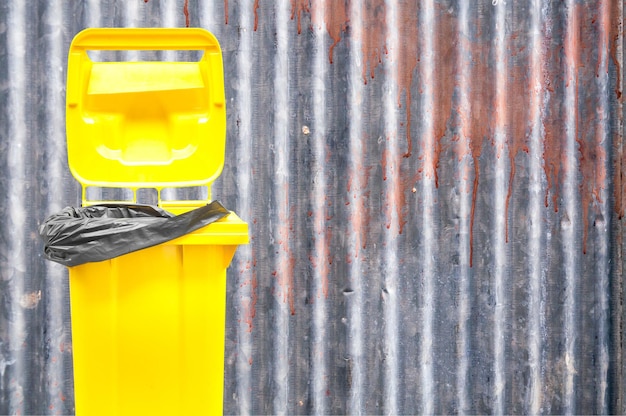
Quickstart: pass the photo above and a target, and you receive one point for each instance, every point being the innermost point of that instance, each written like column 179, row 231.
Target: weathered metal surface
column 434, row 189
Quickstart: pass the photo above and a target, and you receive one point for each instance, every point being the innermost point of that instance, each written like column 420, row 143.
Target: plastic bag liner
column 100, row 232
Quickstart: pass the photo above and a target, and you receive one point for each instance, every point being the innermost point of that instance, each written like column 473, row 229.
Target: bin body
column 148, row 327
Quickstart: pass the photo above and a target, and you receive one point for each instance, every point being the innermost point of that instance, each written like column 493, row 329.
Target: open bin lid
column 145, row 124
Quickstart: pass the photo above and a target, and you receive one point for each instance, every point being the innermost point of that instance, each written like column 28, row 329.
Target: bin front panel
column 148, row 331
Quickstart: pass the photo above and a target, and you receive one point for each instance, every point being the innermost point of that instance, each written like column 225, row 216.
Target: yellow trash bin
column 148, row 326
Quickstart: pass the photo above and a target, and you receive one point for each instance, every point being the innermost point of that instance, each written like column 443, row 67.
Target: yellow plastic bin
column 148, row 326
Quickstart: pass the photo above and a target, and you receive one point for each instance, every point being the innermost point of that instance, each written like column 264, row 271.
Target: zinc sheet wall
column 435, row 192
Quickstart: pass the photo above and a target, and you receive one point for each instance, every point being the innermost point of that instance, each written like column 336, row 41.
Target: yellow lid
column 145, row 124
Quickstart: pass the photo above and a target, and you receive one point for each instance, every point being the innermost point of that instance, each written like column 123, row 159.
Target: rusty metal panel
column 435, row 191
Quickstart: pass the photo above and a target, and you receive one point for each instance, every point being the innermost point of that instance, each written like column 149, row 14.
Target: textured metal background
column 434, row 189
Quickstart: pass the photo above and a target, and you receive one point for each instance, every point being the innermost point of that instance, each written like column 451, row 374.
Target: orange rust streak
column 391, row 168
column 473, row 213
column 249, row 306
column 573, row 63
column 323, row 250
column 603, row 42
column 186, row 12
column 335, row 20
column 286, row 263
column 552, row 82
column 592, row 153
column 519, row 88
column 408, row 56
column 616, row 35
column 475, row 127
column 297, row 8
column 225, row 11
column 374, row 37
column 256, row 14
column 445, row 58
column 600, row 157
column 619, row 184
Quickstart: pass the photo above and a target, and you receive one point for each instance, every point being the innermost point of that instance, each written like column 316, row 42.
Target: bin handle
column 144, row 39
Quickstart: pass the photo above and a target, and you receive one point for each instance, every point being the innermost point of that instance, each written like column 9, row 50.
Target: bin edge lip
column 230, row 230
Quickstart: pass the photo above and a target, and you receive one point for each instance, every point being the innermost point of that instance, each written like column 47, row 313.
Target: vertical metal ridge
column 132, row 14
column 427, row 256
column 355, row 295
column 169, row 16
column 281, row 231
column 464, row 211
column 208, row 16
column 16, row 222
column 570, row 221
column 245, row 256
column 500, row 212
column 55, row 155
column 617, row 388
column 93, row 13
column 535, row 309
column 603, row 140
column 321, row 251
column 392, row 197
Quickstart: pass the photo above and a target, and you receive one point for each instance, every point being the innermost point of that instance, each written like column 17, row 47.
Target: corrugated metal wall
column 434, row 189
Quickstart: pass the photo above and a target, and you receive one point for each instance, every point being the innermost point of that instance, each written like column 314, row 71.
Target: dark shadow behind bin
column 147, row 284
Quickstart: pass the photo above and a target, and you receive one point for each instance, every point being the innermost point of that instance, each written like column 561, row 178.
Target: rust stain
column 384, row 163
column 406, row 177
column 249, row 305
column 373, row 41
column 474, row 123
column 519, row 86
column 445, row 83
column 590, row 23
column 357, row 184
column 552, row 86
column 297, row 8
column 481, row 98
column 572, row 64
column 286, row 265
column 322, row 262
column 591, row 127
column 616, row 34
column 329, row 261
column 226, row 11
column 408, row 56
column 186, row 12
column 256, row 14
column 336, row 21
column 397, row 199
column 602, row 21
column 255, row 295
column 30, row 300
column 619, row 175
column 324, row 259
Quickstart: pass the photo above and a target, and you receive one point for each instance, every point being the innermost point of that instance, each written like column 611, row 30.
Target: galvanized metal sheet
column 434, row 189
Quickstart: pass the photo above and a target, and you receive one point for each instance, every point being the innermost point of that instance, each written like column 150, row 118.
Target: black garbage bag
column 100, row 232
